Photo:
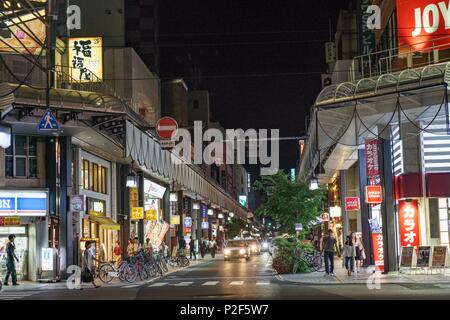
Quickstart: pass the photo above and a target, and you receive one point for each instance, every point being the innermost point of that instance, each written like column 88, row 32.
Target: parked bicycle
column 312, row 259
column 180, row 260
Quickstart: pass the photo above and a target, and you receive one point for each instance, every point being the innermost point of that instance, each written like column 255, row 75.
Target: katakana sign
column 408, row 220
column 378, row 250
column 372, row 165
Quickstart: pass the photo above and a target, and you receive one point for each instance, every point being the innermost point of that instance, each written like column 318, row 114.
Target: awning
column 105, row 222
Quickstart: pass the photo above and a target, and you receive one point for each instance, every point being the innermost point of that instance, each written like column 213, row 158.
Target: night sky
column 260, row 60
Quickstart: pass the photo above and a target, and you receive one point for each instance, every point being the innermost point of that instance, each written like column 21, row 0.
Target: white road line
column 158, row 284
column 210, row 283
column 183, row 284
column 132, row 286
column 236, row 283
column 263, row 283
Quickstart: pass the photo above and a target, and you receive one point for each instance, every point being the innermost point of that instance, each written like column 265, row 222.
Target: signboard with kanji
column 175, row 219
column 374, row 195
column 86, row 59
column 372, row 165
column 137, row 213
column 378, row 251
column 408, row 221
column 351, row 203
column 150, row 215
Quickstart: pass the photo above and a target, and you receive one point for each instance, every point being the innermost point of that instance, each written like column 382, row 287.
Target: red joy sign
column 167, row 127
column 372, row 166
column 374, row 194
column 422, row 24
column 351, row 203
column 408, row 220
column 378, row 251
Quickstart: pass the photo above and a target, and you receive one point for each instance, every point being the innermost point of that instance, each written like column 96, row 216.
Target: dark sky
column 241, row 48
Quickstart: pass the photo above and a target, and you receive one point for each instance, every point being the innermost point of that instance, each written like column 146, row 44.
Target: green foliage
column 284, row 260
column 234, row 227
column 289, row 202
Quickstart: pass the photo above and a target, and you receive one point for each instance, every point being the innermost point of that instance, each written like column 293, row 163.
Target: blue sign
column 205, row 225
column 204, row 211
column 188, row 222
column 23, row 203
column 48, row 122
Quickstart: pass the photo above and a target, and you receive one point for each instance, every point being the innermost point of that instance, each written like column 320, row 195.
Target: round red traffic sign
column 166, row 127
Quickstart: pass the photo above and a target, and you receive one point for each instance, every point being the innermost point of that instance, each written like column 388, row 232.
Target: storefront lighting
column 210, row 212
column 173, row 197
column 5, row 137
column 220, row 216
column 131, row 180
column 313, row 184
column 196, row 206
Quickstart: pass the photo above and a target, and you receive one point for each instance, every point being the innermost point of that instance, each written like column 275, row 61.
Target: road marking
column 5, row 295
column 132, row 286
column 158, row 284
column 236, row 283
column 263, row 283
column 183, row 284
column 210, row 283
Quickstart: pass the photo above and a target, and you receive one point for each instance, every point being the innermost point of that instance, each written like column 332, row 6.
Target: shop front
column 155, row 228
column 24, row 213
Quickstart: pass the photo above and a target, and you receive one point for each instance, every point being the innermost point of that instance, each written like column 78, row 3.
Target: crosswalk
column 16, row 295
column 207, row 283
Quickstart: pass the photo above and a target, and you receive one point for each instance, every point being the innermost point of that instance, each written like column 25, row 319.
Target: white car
column 237, row 249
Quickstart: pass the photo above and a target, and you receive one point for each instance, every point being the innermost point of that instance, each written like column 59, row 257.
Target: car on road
column 237, row 249
column 255, row 246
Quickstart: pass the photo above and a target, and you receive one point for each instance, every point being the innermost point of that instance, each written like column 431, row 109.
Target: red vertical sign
column 378, row 250
column 351, row 203
column 371, row 150
column 408, row 220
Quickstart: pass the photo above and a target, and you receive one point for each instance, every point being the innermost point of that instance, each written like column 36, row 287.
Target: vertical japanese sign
column 134, row 197
column 366, row 35
column 86, row 59
column 408, row 220
column 378, row 251
column 371, row 150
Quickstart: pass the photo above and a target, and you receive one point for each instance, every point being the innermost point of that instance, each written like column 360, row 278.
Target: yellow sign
column 134, row 197
column 86, row 59
column 15, row 36
column 137, row 213
column 175, row 219
column 9, row 221
column 150, row 215
column 95, row 213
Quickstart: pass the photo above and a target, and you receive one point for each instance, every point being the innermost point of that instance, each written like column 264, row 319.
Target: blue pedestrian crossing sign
column 48, row 122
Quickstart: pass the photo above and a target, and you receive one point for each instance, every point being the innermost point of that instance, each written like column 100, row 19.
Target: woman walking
column 349, row 255
column 360, row 254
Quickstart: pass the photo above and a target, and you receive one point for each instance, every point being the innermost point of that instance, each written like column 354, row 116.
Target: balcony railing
column 400, row 58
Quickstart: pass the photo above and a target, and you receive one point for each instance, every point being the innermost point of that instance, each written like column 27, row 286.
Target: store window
column 444, row 205
column 21, row 158
column 94, row 176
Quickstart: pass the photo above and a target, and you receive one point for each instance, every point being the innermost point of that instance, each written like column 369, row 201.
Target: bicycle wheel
column 184, row 261
column 150, row 269
column 164, row 266
column 143, row 274
column 121, row 272
column 317, row 263
column 130, row 273
column 104, row 273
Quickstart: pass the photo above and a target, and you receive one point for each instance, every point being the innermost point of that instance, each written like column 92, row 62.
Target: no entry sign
column 166, row 127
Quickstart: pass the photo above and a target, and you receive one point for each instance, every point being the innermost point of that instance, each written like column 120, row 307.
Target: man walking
column 328, row 244
column 192, row 249
column 10, row 256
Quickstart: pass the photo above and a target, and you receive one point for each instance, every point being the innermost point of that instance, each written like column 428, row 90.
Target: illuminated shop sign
column 86, row 59
column 153, row 189
column 408, row 220
column 23, row 203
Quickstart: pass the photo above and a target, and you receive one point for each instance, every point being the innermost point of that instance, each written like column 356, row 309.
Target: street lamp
column 5, row 137
column 131, row 180
column 195, row 206
column 173, row 197
column 231, row 214
column 210, row 212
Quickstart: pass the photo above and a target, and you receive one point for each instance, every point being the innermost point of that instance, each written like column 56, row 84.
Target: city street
column 229, row 280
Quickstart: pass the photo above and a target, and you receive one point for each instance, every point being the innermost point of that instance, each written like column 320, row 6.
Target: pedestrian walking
column 88, row 274
column 148, row 247
column 10, row 257
column 192, row 249
column 349, row 254
column 213, row 247
column 202, row 248
column 328, row 245
column 117, row 254
column 130, row 248
column 181, row 243
column 360, row 253
column 136, row 245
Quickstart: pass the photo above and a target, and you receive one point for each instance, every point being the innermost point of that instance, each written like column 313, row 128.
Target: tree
column 288, row 202
column 234, row 227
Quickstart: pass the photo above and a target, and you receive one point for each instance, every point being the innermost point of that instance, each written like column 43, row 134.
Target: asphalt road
column 234, row 280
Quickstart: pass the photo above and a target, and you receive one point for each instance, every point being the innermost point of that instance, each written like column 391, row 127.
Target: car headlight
column 265, row 245
column 242, row 251
column 254, row 247
column 227, row 251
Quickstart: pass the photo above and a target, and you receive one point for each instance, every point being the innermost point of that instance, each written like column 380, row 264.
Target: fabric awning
column 105, row 222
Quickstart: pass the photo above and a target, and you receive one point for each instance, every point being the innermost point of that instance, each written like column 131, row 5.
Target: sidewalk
column 367, row 275
column 36, row 286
